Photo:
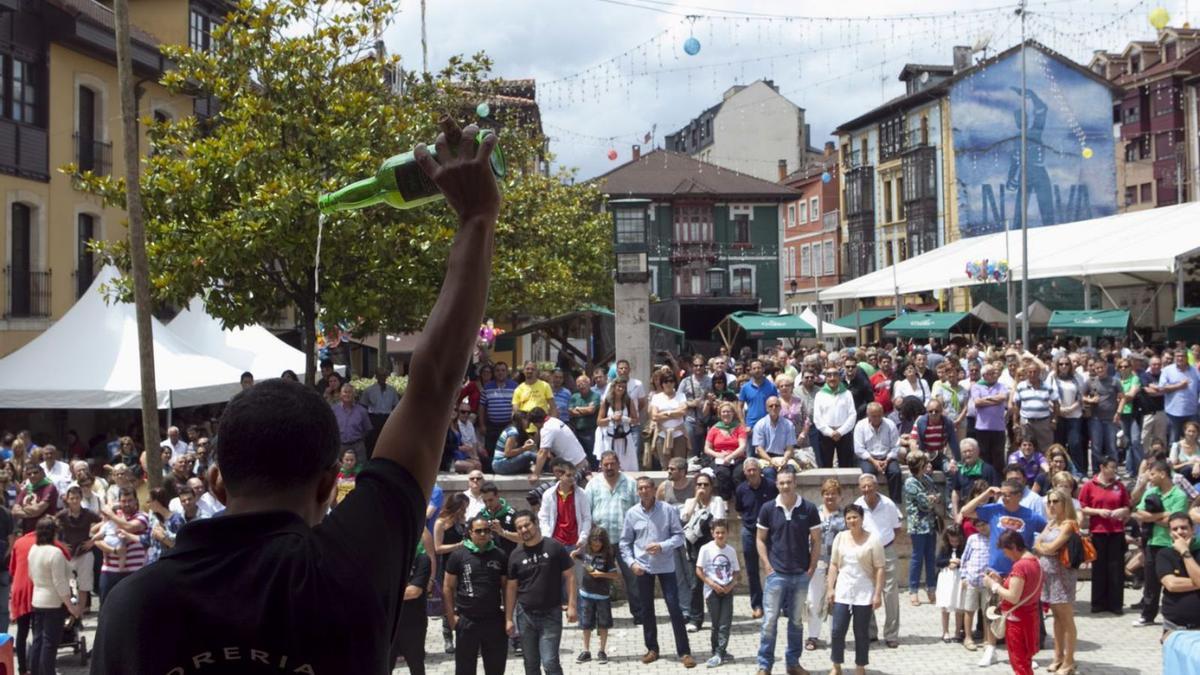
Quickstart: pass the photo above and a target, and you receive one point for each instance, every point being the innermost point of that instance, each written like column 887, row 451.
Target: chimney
column 637, row 152
column 829, row 149
column 962, row 58
column 783, row 172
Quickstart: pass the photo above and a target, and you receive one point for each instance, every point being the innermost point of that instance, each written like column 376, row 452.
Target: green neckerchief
column 726, row 427
column 953, row 392
column 40, row 484
column 841, row 388
column 974, row 470
column 421, row 548
column 499, row 513
column 470, row 546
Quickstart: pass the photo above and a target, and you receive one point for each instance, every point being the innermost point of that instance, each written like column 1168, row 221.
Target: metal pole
column 424, row 44
column 895, row 280
column 1179, row 275
column 1024, row 197
column 817, row 293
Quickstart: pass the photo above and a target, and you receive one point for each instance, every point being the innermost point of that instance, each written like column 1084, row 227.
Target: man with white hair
column 877, row 446
column 882, row 519
column 178, row 446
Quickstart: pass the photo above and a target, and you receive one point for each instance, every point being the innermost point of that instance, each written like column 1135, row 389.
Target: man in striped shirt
column 129, row 524
column 497, row 404
column 1038, row 404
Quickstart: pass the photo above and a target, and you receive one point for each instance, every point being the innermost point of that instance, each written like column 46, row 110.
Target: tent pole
column 170, row 407
column 1179, row 274
column 1087, row 294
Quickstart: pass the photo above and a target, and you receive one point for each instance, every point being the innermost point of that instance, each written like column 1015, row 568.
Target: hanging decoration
column 691, row 46
column 826, row 177
column 1159, row 18
column 986, row 270
column 612, row 154
column 483, row 109
column 1087, row 153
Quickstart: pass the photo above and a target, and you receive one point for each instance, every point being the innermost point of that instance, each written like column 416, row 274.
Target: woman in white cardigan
column 51, row 591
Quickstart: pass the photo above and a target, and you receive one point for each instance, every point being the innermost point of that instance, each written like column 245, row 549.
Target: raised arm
column 439, row 359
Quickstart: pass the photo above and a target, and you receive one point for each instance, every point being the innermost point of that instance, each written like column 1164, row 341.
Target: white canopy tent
column 1132, row 249
column 253, row 348
column 829, row 330
column 88, row 359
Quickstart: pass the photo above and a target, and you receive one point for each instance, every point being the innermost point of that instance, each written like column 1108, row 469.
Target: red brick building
column 810, row 238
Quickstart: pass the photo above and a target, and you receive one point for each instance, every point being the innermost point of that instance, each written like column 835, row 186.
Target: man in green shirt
column 585, row 403
column 1173, row 500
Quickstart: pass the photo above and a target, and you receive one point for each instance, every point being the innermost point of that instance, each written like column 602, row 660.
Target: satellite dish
column 924, row 77
column 982, row 43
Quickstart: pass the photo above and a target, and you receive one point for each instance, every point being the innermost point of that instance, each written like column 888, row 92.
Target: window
column 891, row 138
column 806, row 261
column 693, row 223
column 20, row 283
column 827, row 267
column 887, row 201
column 200, row 31
column 814, row 209
column 1131, row 195
column 1132, row 113
column 803, row 212
column 631, row 226
column 742, row 282
column 741, row 224
column 85, row 268
column 790, row 263
column 708, row 127
column 1147, row 192
column 791, row 215
column 23, row 92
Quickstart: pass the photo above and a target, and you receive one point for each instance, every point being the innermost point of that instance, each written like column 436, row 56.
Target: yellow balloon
column 1159, row 17
column 1087, row 153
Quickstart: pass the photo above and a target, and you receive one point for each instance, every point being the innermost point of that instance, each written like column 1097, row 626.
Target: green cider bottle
column 400, row 183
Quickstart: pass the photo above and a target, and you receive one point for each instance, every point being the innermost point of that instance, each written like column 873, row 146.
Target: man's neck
column 759, row 380
column 754, row 482
column 537, row 540
column 789, row 500
column 649, row 507
column 872, row 501
column 75, row 511
column 680, row 483
column 612, row 481
column 774, row 419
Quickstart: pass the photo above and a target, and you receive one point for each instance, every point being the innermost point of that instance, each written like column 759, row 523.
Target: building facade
column 751, row 130
column 1157, row 117
column 62, row 106
column 943, row 161
column 713, row 236
column 811, row 237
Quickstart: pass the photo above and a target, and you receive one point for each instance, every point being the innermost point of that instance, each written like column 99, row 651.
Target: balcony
column 860, row 191
column 688, row 252
column 28, row 293
column 854, row 159
column 917, row 138
column 830, row 221
column 93, row 155
column 711, row 252
column 24, row 151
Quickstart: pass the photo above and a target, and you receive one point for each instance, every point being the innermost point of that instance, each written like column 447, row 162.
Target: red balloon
column 612, row 155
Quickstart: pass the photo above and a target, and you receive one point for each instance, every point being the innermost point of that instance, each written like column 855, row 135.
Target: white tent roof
column 827, row 329
column 989, row 314
column 253, row 348
column 1131, row 249
column 89, row 359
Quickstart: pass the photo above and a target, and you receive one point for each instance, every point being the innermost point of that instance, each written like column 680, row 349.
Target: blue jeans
column 47, row 634
column 1103, row 434
column 783, row 588
column 750, row 550
column 1131, row 426
column 541, row 633
column 108, row 580
column 670, row 593
column 923, row 551
column 513, row 466
column 1068, row 432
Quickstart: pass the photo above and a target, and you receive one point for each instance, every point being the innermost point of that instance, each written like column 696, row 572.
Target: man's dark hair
column 326, row 363
column 489, row 487
column 1160, row 466
column 159, row 495
column 275, row 436
column 1014, row 468
column 536, row 416
column 478, row 519
column 45, row 529
column 625, row 361
column 247, row 374
column 1011, row 539
column 75, row 489
column 524, row 513
column 1015, row 484
column 563, row 464
column 1178, row 515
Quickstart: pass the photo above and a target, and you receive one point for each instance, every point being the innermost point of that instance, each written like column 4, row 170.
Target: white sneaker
column 1033, row 665
column 989, row 656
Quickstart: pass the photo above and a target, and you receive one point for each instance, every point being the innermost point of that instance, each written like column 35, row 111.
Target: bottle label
column 413, row 183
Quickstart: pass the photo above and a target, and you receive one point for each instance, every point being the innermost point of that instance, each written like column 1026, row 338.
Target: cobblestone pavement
column 1108, row 645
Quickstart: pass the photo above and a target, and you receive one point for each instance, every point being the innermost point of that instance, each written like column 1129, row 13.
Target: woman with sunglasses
column 1131, row 425
column 1068, row 428
column 698, row 514
column 1058, row 588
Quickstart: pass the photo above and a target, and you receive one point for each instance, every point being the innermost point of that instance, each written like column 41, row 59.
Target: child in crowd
column 110, row 534
column 347, row 474
column 974, row 596
column 595, row 594
column 949, row 559
column 717, row 568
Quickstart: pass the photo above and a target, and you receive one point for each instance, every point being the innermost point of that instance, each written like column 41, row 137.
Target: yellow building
column 59, row 104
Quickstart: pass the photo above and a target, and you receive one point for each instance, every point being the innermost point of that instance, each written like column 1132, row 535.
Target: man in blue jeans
column 538, row 572
column 749, row 498
column 789, row 543
column 651, row 534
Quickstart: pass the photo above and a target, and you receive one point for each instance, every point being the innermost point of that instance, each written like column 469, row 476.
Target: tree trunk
column 308, row 341
column 137, row 244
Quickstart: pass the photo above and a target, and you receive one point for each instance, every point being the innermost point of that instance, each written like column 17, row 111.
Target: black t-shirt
column 264, row 592
column 1181, row 609
column 538, row 571
column 414, row 610
column 599, row 563
column 480, row 581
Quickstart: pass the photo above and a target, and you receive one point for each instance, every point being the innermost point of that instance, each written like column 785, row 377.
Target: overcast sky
column 608, row 70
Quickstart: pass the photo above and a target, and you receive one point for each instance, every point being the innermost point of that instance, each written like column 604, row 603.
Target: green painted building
column 713, row 237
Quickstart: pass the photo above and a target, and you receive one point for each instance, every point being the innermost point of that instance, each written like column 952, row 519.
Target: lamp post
column 631, row 283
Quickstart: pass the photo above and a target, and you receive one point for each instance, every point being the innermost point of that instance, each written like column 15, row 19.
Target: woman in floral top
column 921, row 519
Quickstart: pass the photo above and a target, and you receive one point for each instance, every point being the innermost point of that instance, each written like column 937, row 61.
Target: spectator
column 595, row 593
column 129, row 524
column 1058, row 586
column 1019, row 593
column 990, row 398
column 1157, row 504
column 877, row 446
column 1106, row 503
column 583, row 408
column 380, row 399
column 854, row 588
column 51, row 591
column 611, row 498
column 617, row 424
column 1179, row 575
column 164, row 524
column 835, row 417
column 498, row 403
column 37, row 497
column 668, row 408
column 882, row 518
column 555, row 440
column 725, row 449
column 449, row 532
column 1037, row 405
column 515, row 449
column 749, row 498
column 538, row 571
column 774, row 440
column 409, row 640
column 717, row 568
column 920, row 502
column 472, row 592
column 754, row 394
column 972, row 468
column 1180, row 385
column 533, row 392
column 1103, row 391
column 697, row 515
column 354, row 425
column 833, row 522
column 975, row 595
column 566, row 515
column 74, row 528
column 696, row 388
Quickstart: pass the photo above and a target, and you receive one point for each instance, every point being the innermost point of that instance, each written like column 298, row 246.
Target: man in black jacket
column 859, row 384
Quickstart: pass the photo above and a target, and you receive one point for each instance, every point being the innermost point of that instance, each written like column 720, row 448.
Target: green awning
column 756, row 326
column 597, row 309
column 864, row 317
column 1186, row 315
column 930, row 324
column 1095, row 322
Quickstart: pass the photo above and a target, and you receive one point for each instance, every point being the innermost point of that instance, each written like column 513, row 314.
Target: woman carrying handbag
column 1019, row 594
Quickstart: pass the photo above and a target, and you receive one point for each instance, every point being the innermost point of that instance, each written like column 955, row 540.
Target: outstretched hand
column 461, row 171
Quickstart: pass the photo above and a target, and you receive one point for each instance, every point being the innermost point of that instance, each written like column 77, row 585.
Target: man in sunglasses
column 472, row 593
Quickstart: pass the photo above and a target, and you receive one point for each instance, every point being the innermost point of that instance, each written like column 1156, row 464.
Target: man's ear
column 216, row 484
column 326, row 484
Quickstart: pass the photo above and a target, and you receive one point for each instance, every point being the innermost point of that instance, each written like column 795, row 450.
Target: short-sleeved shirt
column 991, row 417
column 755, row 397
column 1173, row 501
column 561, row 441
column 480, row 581
column 498, row 401
column 596, row 589
column 774, row 439
column 328, row 597
column 74, row 530
column 1029, row 570
column 562, row 402
column 728, row 440
column 749, row 500
column 412, row 612
column 1181, row 403
column 1000, row 519
column 529, row 396
column 1036, row 402
column 1106, row 389
column 719, row 564
column 538, row 572
column 1181, row 609
column 585, row 424
column 883, row 520
column 788, row 534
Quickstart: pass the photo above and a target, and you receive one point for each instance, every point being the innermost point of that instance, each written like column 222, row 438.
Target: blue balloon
column 691, row 46
column 826, row 177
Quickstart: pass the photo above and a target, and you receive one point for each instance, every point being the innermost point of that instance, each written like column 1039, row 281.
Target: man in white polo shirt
column 557, row 440
column 882, row 518
column 1038, row 403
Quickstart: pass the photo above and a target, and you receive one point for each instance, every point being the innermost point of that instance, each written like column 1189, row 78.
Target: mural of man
column 1037, row 180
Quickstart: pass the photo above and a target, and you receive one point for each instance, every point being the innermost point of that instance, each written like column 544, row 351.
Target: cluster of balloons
column 987, row 270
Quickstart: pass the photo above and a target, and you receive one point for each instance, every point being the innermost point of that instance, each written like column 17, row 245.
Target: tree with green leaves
column 306, row 105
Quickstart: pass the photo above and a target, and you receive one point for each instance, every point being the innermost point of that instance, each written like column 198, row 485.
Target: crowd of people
column 1006, row 469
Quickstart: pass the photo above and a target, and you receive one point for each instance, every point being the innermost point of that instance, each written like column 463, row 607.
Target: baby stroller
column 72, row 636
